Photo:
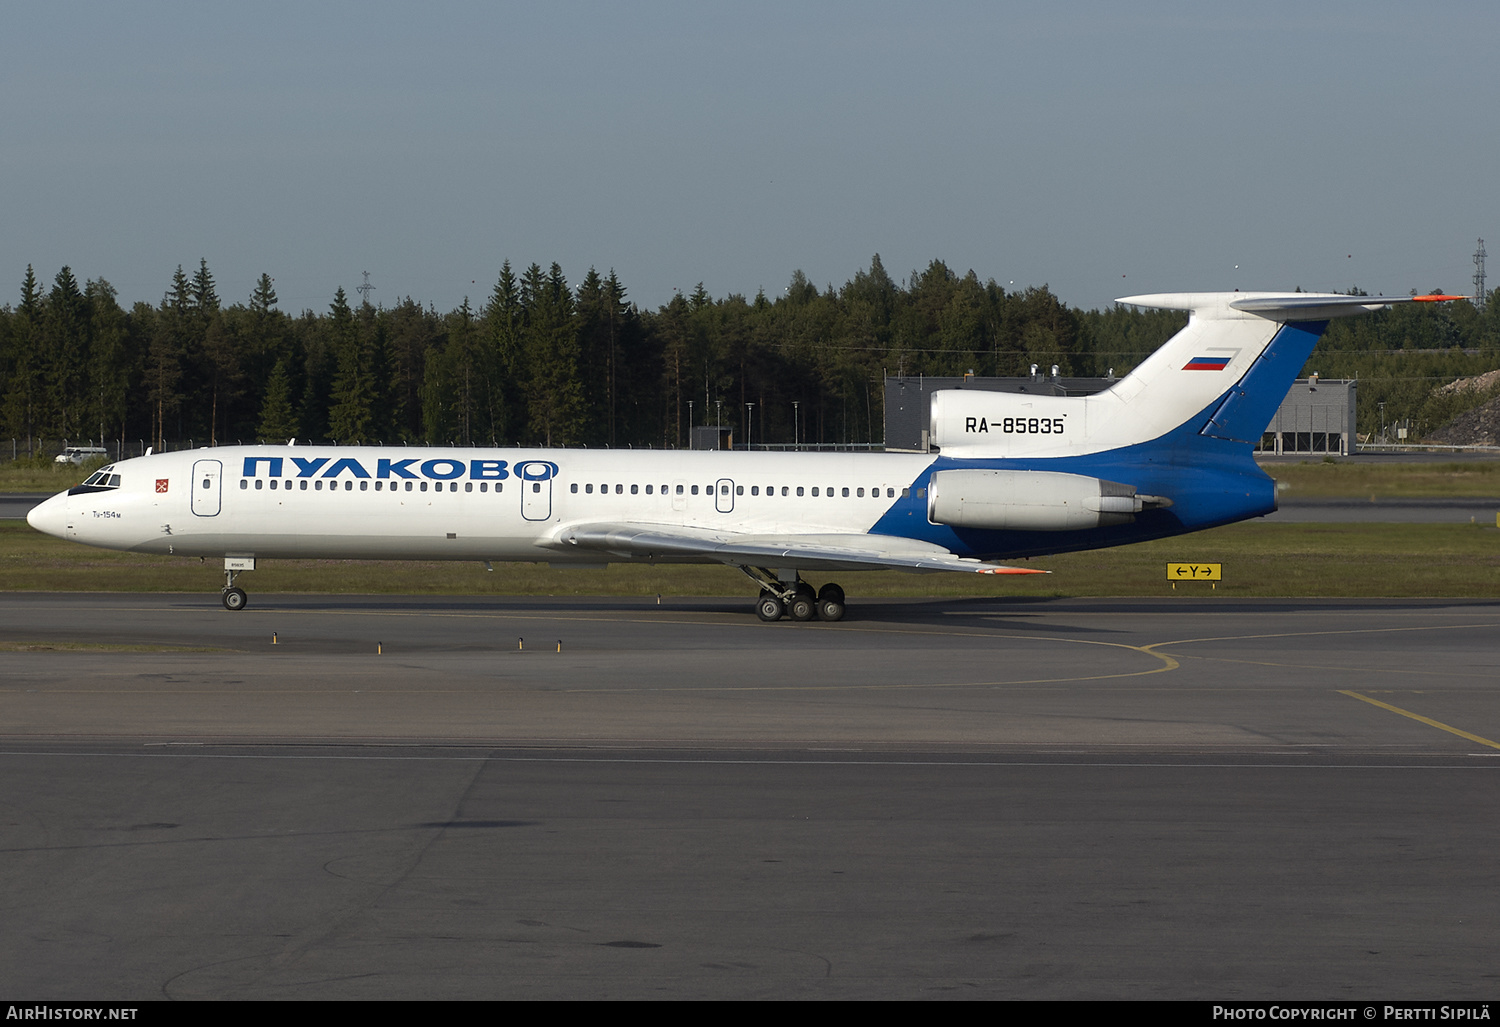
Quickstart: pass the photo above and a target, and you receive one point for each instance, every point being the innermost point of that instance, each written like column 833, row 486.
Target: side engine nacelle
column 1032, row 501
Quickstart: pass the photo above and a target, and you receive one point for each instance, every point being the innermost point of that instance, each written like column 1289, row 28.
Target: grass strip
column 1343, row 479
column 103, row 647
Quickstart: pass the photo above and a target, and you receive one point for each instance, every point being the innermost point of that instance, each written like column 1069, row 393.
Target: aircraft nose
column 51, row 516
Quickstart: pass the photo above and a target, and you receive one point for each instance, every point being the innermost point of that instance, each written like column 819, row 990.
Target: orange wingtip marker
column 1012, row 570
column 1436, row 298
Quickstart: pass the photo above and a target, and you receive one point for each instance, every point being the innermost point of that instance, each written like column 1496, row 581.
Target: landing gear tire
column 235, row 599
column 787, row 595
column 769, row 608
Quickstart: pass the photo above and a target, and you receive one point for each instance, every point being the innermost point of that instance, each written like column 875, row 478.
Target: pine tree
column 109, row 359
column 205, row 299
column 277, row 421
column 554, row 397
column 616, row 317
column 24, row 389
column 384, row 412
column 411, row 336
column 163, row 372
column 264, row 296
column 602, row 322
column 31, row 296
column 504, row 317
column 349, row 418
column 594, row 352
column 671, row 328
column 179, row 298
column 167, row 353
column 437, row 397
column 467, row 376
column 319, row 368
column 64, row 335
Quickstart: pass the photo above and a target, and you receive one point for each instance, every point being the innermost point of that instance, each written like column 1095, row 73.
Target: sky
column 1101, row 149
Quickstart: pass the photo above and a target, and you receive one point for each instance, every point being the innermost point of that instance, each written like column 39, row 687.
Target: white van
column 82, row 454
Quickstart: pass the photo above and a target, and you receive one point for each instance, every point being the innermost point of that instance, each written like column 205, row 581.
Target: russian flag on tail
column 1206, row 364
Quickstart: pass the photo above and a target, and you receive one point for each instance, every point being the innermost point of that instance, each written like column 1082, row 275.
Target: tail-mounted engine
column 1032, row 501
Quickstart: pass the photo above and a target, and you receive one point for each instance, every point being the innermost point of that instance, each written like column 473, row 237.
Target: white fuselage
column 464, row 504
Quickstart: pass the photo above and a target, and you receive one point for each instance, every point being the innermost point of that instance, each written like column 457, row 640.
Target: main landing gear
column 798, row 600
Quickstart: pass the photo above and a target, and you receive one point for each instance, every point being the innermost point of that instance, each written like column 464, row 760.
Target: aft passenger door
column 207, row 498
column 536, row 488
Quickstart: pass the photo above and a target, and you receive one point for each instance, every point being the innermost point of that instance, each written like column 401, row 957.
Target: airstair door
column 207, row 499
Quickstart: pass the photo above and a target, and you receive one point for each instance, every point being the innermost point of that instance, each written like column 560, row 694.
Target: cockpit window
column 103, row 478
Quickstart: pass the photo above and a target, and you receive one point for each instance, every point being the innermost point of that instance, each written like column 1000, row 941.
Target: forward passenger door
column 207, row 474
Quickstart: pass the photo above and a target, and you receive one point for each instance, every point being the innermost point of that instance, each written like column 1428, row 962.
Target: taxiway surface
column 1181, row 798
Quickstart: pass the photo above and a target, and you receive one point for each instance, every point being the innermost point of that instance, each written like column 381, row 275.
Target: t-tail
column 1221, row 377
column 1167, row 449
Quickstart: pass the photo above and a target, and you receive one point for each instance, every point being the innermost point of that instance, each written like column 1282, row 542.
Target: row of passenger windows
column 364, row 486
column 739, row 490
column 588, row 489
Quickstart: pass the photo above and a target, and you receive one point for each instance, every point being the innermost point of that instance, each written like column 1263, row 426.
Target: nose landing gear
column 235, row 598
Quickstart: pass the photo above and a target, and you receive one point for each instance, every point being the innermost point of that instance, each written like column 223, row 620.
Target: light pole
column 796, row 424
column 749, row 424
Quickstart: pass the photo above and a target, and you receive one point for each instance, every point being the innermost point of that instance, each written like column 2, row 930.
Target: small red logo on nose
column 161, row 484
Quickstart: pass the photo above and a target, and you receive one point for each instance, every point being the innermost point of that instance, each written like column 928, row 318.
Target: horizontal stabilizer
column 1276, row 306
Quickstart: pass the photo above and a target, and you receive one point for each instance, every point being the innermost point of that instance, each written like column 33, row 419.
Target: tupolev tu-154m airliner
column 1166, row 450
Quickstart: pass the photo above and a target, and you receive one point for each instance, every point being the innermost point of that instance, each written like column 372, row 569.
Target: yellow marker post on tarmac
column 1210, row 572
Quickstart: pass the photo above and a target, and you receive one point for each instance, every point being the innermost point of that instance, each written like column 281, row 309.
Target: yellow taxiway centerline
column 1417, row 716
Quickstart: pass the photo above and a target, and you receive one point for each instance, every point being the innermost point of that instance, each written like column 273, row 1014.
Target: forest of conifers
column 544, row 362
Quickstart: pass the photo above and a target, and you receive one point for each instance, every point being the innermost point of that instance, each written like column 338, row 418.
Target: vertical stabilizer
column 1222, row 376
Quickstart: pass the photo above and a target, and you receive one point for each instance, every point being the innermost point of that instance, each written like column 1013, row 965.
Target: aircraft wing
column 810, row 552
